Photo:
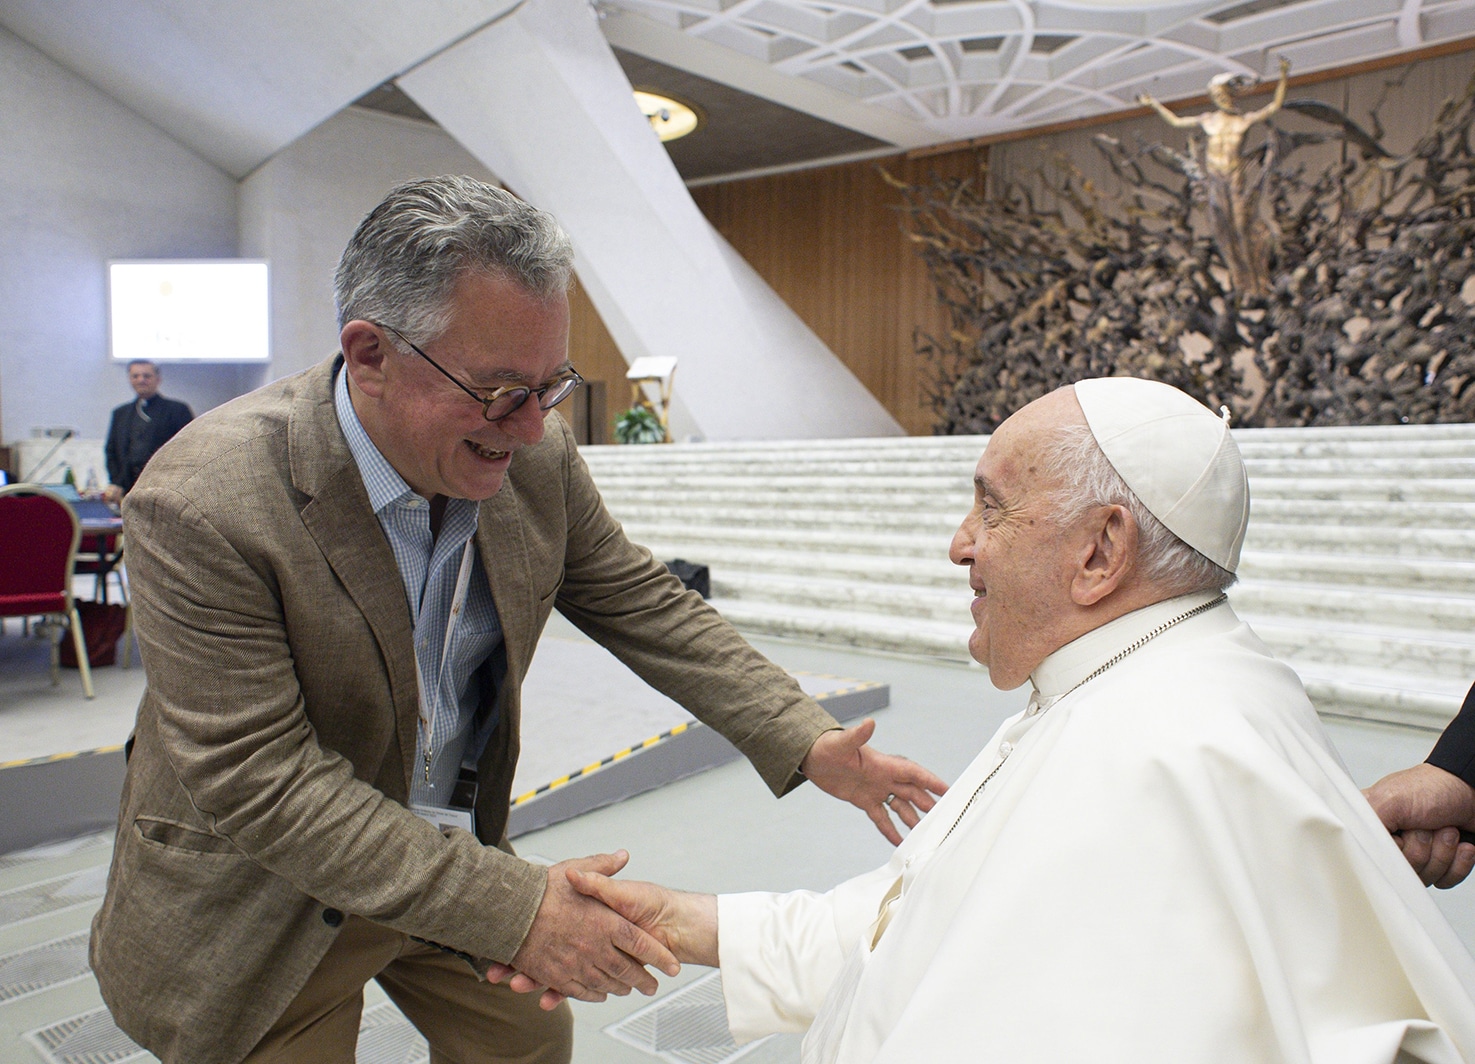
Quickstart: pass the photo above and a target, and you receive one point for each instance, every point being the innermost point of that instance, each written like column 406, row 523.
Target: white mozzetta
column 1358, row 566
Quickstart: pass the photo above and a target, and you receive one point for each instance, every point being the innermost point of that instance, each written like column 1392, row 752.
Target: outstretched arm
column 1277, row 101
column 1176, row 121
column 841, row 764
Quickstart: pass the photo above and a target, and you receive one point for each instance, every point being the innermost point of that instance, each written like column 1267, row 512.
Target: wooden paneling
column 598, row 360
column 829, row 241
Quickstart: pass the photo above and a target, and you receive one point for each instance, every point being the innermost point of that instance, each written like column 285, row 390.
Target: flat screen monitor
column 189, row 310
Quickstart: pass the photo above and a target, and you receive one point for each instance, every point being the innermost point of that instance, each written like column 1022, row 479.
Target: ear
column 1108, row 555
column 364, row 353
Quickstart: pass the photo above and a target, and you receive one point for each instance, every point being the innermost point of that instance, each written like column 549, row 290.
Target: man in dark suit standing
column 140, row 428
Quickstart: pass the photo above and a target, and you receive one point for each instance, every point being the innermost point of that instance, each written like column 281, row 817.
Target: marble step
column 1450, row 655
column 1360, row 513
column 697, row 542
column 947, row 605
column 727, row 560
column 1425, row 610
column 1446, row 575
column 1415, row 699
column 1404, row 489
column 830, row 493
column 1455, row 543
column 872, row 631
column 676, row 516
column 945, row 518
column 708, row 468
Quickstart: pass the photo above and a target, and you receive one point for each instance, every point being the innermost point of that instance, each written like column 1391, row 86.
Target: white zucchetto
column 1177, row 457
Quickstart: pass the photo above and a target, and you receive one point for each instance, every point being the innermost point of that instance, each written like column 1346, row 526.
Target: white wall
column 84, row 180
column 300, row 207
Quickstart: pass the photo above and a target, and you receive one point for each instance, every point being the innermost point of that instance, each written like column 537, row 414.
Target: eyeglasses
column 503, row 402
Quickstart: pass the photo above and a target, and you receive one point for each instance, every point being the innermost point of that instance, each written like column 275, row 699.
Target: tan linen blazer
column 274, row 744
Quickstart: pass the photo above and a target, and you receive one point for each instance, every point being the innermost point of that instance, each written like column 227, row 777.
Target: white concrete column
column 540, row 99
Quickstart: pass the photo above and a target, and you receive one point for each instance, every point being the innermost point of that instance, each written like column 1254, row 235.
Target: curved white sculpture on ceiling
column 964, row 68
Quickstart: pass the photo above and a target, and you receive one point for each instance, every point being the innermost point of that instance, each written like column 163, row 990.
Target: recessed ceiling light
column 669, row 118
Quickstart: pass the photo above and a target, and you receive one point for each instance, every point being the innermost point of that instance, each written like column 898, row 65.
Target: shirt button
column 332, row 917
column 1034, row 707
column 1006, row 748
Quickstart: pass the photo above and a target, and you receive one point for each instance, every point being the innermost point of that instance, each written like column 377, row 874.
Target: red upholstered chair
column 38, row 542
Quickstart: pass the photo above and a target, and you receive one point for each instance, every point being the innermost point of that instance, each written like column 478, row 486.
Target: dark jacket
column 1455, row 751
column 166, row 417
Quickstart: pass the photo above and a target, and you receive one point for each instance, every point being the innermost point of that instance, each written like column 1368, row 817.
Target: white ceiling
column 239, row 80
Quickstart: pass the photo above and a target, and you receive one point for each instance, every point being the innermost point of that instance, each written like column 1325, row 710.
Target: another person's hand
column 686, row 924
column 1426, row 808
column 112, row 494
column 579, row 947
column 841, row 764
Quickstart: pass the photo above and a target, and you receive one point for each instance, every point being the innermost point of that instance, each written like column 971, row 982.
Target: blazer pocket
column 179, row 836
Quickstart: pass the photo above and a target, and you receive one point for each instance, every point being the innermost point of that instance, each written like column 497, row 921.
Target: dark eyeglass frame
column 562, row 388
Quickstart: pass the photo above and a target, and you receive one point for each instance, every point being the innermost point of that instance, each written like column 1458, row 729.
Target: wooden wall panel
column 830, row 243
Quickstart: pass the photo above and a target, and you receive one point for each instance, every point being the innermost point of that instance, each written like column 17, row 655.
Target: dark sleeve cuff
column 1455, row 750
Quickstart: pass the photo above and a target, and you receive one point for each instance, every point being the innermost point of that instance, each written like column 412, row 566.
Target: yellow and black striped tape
column 864, row 685
column 597, row 765
column 60, row 757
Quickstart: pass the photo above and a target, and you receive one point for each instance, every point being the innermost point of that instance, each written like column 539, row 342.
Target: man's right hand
column 582, row 948
column 1426, row 807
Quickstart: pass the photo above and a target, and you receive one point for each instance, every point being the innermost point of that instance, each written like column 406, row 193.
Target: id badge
column 461, row 813
column 443, row 818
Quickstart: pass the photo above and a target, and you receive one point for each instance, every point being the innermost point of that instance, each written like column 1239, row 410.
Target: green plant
column 639, row 424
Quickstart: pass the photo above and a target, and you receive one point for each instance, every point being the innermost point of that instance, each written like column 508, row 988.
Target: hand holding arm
column 1426, row 808
column 581, row 947
column 841, row 764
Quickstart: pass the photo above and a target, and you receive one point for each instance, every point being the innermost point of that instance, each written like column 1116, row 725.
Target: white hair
column 403, row 262
column 1087, row 480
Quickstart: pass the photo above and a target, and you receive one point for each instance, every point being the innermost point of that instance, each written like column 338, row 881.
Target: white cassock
column 1170, row 864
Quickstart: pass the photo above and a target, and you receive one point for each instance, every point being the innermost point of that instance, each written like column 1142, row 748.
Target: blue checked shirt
column 429, row 571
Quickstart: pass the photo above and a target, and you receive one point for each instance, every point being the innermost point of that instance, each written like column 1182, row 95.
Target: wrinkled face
column 145, row 380
column 433, row 433
column 1020, row 560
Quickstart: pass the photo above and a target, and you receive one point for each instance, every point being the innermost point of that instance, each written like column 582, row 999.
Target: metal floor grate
column 98, row 840
column 687, row 1026
column 385, row 1037
column 53, row 895
column 43, row 966
column 91, row 1038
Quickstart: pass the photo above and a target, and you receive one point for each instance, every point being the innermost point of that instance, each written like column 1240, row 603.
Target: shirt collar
column 384, row 485
column 1079, row 658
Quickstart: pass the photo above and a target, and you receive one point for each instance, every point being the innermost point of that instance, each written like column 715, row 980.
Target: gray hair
column 1088, row 480
column 404, row 260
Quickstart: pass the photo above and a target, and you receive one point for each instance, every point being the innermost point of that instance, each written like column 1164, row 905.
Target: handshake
column 594, row 936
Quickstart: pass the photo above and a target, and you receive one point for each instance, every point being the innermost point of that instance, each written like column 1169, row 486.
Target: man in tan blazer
column 322, row 654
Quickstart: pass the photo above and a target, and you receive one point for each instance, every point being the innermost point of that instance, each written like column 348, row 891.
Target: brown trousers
column 465, row 1020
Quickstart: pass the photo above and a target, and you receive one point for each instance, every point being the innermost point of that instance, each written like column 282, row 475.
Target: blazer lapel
column 501, row 545
column 341, row 522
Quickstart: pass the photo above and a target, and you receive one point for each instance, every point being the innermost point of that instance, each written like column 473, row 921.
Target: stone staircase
column 1359, row 565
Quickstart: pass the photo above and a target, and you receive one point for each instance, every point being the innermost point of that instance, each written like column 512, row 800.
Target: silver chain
column 1115, row 660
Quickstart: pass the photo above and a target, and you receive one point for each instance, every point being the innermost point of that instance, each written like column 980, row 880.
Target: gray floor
column 718, row 831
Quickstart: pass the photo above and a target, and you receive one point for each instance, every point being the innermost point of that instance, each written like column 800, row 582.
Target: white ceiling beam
column 648, row 38
column 237, row 82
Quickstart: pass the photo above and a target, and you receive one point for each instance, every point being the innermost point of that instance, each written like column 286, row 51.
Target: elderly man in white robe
column 1161, row 859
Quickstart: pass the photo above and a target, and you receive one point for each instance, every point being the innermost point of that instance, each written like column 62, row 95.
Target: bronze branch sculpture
column 1355, row 304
